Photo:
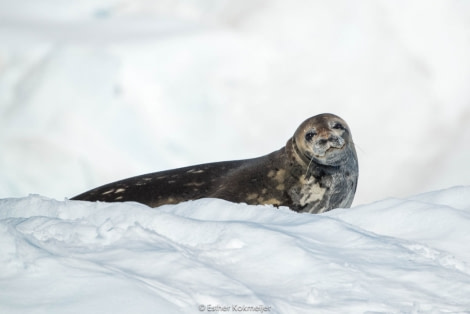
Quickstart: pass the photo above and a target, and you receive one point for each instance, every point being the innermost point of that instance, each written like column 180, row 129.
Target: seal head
column 324, row 139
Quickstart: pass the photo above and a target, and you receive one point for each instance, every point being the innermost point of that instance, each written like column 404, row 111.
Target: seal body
column 316, row 171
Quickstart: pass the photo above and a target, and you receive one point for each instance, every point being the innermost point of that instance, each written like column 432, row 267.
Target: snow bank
column 397, row 255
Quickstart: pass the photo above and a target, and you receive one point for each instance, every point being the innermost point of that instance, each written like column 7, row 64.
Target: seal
column 316, row 171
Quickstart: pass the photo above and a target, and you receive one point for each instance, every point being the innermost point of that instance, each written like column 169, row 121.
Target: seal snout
column 325, row 143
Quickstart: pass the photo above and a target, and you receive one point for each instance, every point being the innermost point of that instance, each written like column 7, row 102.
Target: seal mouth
column 332, row 157
column 326, row 152
column 327, row 156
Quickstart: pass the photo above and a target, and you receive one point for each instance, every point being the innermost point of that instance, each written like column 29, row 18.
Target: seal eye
column 310, row 135
column 338, row 126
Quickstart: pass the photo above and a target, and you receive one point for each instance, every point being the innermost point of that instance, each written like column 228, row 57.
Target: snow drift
column 398, row 255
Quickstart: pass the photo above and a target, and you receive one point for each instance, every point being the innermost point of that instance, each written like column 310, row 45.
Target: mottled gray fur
column 315, row 172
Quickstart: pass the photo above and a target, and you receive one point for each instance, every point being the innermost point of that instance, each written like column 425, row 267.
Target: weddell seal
column 316, row 171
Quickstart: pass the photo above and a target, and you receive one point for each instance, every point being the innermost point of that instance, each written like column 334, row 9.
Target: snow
column 96, row 91
column 407, row 255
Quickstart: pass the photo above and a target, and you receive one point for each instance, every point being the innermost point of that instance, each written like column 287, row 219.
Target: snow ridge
column 396, row 255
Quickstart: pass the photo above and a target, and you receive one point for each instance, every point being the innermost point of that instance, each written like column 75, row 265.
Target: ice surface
column 404, row 255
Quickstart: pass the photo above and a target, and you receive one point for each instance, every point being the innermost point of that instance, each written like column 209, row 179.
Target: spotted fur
column 315, row 172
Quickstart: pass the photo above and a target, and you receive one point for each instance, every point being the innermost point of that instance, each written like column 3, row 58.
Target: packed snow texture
column 393, row 256
column 96, row 91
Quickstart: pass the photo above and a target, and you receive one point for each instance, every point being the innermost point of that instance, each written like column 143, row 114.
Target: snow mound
column 396, row 255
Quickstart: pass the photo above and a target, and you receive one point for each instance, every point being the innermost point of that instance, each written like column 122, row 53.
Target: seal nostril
column 322, row 142
column 333, row 138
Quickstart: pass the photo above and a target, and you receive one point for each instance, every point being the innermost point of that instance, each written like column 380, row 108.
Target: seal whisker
column 308, row 167
column 359, row 147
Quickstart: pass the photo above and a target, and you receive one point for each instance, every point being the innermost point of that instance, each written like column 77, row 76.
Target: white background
column 95, row 91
